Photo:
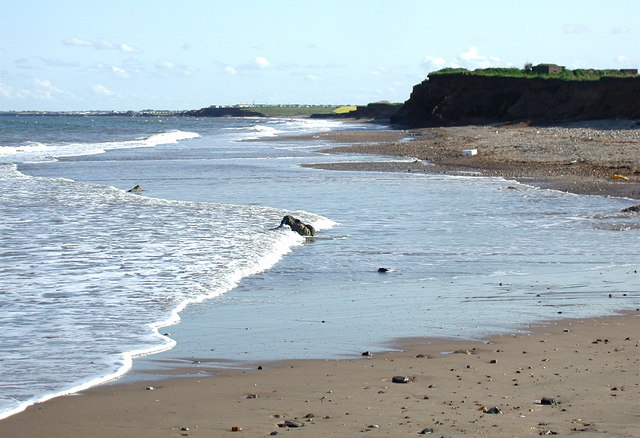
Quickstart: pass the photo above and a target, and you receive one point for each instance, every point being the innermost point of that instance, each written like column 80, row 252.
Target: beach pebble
column 493, row 410
column 381, row 270
column 367, row 353
column 290, row 423
column 425, row 431
column 548, row 401
column 400, row 379
column 236, row 429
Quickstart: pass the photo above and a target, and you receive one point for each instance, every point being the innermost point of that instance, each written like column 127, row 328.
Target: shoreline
column 588, row 158
column 589, row 367
column 449, row 424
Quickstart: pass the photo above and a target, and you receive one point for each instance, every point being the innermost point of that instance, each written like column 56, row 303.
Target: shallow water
column 90, row 272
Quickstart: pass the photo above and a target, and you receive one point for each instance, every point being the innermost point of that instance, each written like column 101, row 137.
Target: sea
column 97, row 281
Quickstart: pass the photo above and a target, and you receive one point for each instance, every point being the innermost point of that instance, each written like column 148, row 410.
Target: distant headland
column 544, row 93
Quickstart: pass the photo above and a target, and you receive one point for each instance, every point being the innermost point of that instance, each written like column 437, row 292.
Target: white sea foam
column 128, row 263
column 38, row 152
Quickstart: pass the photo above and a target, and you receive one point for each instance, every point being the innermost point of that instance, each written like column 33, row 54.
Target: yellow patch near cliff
column 345, row 109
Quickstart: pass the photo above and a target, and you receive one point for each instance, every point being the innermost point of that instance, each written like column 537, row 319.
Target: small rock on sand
column 290, row 423
column 400, row 379
column 548, row 401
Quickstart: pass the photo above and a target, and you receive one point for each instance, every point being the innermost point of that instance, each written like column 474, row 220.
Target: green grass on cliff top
column 567, row 75
column 291, row 111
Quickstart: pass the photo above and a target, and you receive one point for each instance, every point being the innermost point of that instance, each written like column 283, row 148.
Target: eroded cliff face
column 463, row 99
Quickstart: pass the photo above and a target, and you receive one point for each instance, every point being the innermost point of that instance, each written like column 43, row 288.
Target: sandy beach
column 568, row 378
column 573, row 378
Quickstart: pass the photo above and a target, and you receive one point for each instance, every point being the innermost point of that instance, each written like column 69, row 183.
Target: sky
column 68, row 55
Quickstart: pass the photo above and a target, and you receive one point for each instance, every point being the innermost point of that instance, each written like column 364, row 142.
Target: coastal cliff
column 455, row 99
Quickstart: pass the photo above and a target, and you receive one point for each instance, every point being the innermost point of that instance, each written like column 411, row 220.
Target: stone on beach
column 400, row 379
column 291, row 423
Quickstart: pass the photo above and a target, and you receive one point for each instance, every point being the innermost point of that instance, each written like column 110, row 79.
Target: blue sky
column 137, row 54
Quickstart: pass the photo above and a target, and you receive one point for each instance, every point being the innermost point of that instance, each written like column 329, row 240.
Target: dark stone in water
column 632, row 209
column 297, row 226
column 136, row 189
column 367, row 353
column 383, row 270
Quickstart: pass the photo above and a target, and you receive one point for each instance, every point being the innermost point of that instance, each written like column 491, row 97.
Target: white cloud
column 314, row 78
column 471, row 59
column 7, row 92
column 45, row 89
column 263, row 62
column 620, row 29
column 166, row 65
column 101, row 44
column 120, row 72
column 77, row 42
column 231, row 70
column 171, row 67
column 575, row 28
column 126, row 48
column 431, row 63
column 102, row 90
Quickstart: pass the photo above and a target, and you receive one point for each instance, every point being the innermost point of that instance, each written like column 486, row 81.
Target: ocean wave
column 41, row 152
column 107, row 270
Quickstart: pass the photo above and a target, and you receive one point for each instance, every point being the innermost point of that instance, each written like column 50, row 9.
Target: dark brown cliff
column 462, row 99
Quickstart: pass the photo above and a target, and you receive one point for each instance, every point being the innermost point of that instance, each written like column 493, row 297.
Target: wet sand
column 588, row 369
column 597, row 158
